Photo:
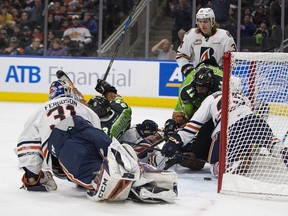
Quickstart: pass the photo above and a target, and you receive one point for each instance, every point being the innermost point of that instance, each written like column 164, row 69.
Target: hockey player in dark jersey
column 115, row 116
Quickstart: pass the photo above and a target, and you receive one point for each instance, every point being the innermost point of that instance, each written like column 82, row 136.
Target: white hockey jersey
column 32, row 146
column 211, row 108
column 196, row 48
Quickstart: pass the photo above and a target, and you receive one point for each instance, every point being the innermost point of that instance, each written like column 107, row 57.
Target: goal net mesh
column 252, row 165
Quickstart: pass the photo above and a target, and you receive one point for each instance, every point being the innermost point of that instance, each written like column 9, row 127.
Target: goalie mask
column 61, row 88
column 100, row 105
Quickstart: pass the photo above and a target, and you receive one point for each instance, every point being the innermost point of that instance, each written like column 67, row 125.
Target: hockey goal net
column 262, row 169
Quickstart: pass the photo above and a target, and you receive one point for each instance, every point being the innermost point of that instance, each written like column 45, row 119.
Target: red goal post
column 264, row 81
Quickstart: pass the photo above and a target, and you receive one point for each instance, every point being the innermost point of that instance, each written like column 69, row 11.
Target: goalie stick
column 64, row 77
column 127, row 23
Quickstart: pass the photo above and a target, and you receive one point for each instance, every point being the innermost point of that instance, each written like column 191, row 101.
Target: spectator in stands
column 15, row 13
column 180, row 37
column 247, row 27
column 24, row 20
column 50, row 38
column 73, row 6
column 37, row 14
column 5, row 16
column 72, row 46
column 17, row 31
column 25, row 39
column 13, row 48
column 57, row 10
column 164, row 50
column 57, row 49
column 78, row 33
column 3, row 39
column 231, row 24
column 259, row 15
column 221, row 10
column 52, row 24
column 262, row 30
column 35, row 48
column 261, row 33
column 37, row 33
column 90, row 23
column 182, row 14
column 65, row 25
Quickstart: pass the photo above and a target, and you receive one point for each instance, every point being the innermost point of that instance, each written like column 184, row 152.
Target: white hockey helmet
column 206, row 13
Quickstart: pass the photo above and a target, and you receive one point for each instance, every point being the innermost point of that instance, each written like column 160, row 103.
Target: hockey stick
column 61, row 75
column 152, row 145
column 120, row 40
column 156, row 149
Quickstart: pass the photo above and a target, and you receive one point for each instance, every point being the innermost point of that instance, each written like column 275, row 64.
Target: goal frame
column 251, row 93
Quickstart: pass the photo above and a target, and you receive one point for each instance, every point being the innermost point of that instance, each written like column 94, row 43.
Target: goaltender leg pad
column 116, row 175
column 154, row 186
column 123, row 161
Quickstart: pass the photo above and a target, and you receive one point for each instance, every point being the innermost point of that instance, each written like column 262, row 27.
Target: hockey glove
column 103, row 87
column 170, row 127
column 173, row 145
column 44, row 182
column 187, row 69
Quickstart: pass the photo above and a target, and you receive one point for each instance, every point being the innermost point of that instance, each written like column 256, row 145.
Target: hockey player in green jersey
column 114, row 113
column 204, row 80
column 115, row 116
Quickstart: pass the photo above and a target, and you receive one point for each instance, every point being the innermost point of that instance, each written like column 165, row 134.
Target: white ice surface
column 196, row 196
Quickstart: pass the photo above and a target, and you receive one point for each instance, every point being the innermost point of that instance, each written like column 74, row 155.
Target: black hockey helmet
column 100, row 105
column 204, row 77
column 147, row 128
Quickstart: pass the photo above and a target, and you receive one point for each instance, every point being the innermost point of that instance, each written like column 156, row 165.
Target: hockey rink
column 196, row 196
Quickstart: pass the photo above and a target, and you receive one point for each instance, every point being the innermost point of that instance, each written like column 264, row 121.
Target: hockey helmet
column 60, row 88
column 147, row 128
column 206, row 13
column 204, row 77
column 100, row 105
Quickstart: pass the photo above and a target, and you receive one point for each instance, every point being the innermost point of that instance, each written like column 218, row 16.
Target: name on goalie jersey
column 60, row 102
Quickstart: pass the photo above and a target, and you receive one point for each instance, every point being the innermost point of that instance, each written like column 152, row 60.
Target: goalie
column 65, row 136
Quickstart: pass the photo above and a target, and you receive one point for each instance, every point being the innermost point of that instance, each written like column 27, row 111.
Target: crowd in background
column 259, row 18
column 73, row 24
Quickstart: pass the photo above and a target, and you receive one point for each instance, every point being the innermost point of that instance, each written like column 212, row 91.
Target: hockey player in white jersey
column 204, row 42
column 211, row 108
column 66, row 134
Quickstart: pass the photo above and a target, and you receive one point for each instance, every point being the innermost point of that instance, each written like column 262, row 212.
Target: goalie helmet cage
column 264, row 80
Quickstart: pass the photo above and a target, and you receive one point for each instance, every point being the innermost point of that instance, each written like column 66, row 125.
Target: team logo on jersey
column 206, row 53
column 197, row 42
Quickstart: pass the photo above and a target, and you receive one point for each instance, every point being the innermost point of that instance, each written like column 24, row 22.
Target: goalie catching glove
column 103, row 87
column 43, row 182
column 173, row 145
